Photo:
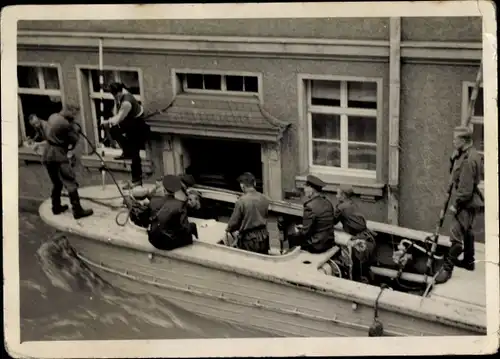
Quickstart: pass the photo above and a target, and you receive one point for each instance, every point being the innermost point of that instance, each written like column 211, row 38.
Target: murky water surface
column 61, row 303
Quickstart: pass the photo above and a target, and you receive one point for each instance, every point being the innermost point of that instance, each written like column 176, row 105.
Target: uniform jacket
column 172, row 215
column 353, row 222
column 317, row 222
column 465, row 177
column 60, row 135
column 250, row 211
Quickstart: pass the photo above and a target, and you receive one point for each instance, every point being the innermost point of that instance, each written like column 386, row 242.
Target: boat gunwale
column 451, row 313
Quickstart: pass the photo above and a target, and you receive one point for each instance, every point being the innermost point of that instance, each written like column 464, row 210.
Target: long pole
column 101, row 104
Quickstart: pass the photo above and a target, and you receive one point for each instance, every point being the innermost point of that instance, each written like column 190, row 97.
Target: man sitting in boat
column 169, row 226
column 362, row 244
column 249, row 217
column 316, row 234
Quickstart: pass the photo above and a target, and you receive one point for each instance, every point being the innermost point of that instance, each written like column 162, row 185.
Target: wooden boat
column 292, row 294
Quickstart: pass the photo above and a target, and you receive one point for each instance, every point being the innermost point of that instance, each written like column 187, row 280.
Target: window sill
column 90, row 161
column 366, row 188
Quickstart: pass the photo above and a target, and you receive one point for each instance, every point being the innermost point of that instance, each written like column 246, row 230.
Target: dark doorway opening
column 218, row 163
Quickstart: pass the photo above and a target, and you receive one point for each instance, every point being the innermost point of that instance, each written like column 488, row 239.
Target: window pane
column 194, row 81
column 109, row 77
column 40, row 105
column 362, row 157
column 478, row 137
column 51, row 78
column 326, row 154
column 362, row 94
column 251, row 84
column 131, row 80
column 325, row 93
column 479, row 105
column 362, row 129
column 234, row 83
column 107, row 113
column 27, row 77
column 213, row 82
column 325, row 126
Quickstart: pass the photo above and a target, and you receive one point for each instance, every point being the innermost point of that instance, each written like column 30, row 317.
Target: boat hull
column 285, row 293
column 277, row 308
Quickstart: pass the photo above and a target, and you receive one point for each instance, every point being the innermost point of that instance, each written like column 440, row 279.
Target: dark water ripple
column 56, row 304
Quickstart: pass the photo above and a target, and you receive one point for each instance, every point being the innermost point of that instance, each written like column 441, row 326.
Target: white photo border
column 243, row 347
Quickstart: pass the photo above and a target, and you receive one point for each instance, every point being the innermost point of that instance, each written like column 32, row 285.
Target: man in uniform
column 354, row 223
column 169, row 227
column 466, row 201
column 62, row 137
column 316, row 234
column 129, row 122
column 249, row 217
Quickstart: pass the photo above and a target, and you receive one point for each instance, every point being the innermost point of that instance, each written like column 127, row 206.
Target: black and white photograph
column 272, row 179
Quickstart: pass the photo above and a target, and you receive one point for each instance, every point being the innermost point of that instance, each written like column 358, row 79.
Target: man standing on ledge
column 62, row 136
column 316, row 234
column 466, row 201
column 250, row 217
column 129, row 122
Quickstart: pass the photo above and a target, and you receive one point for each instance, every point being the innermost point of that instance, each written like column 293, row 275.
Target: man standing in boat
column 362, row 244
column 128, row 125
column 466, row 201
column 316, row 234
column 169, row 227
column 62, row 136
column 249, row 217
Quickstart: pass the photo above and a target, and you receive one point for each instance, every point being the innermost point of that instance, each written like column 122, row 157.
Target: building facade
column 370, row 102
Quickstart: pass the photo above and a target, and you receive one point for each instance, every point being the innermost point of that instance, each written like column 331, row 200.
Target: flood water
column 80, row 307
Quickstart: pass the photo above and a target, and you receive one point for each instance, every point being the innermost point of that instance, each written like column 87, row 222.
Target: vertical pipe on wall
column 101, row 102
column 394, row 115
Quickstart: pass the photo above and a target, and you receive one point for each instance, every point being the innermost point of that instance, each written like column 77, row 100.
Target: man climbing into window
column 129, row 128
column 249, row 217
column 362, row 244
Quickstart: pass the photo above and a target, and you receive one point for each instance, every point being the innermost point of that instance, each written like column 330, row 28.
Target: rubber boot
column 449, row 262
column 78, row 211
column 468, row 263
column 57, row 208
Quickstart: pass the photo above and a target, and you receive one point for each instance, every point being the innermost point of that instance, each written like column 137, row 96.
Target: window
column 342, row 119
column 39, row 93
column 129, row 78
column 477, row 120
column 214, row 83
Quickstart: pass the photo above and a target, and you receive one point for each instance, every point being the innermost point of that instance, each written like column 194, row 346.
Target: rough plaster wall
column 430, row 108
column 341, row 28
column 460, row 29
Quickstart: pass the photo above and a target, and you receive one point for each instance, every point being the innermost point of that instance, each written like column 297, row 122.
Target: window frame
column 41, row 91
column 466, row 85
column 179, row 82
column 344, row 112
column 85, row 71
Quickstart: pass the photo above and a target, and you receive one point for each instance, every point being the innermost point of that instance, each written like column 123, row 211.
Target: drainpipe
column 394, row 114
